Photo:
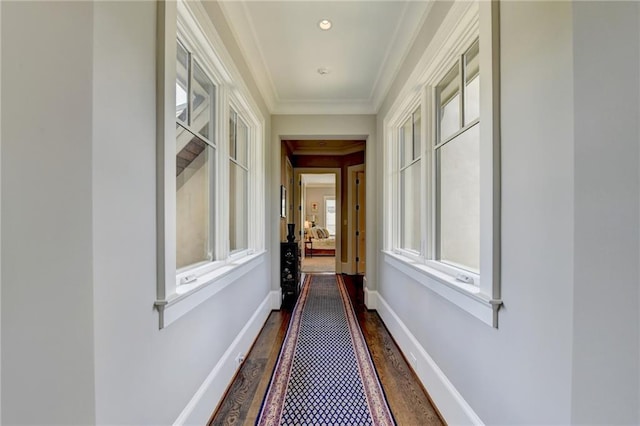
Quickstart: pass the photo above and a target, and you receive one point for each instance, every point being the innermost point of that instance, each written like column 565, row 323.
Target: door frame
column 299, row 221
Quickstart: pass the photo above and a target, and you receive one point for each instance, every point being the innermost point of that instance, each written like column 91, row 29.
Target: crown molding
column 407, row 29
column 236, row 11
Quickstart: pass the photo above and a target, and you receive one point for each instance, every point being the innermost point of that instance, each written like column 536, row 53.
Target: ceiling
column 325, row 147
column 319, row 179
column 284, row 48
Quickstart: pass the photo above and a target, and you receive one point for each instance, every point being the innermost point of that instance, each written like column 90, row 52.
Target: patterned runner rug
column 324, row 374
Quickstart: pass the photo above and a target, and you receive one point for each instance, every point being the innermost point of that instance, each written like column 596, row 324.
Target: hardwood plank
column 409, row 402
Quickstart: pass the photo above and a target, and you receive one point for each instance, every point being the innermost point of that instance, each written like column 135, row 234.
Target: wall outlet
column 239, row 359
column 414, row 361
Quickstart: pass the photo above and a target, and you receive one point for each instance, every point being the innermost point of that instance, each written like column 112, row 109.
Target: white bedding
column 324, row 243
column 321, row 239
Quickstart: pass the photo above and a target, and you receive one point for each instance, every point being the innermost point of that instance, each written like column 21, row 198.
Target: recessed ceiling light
column 323, row 71
column 325, row 24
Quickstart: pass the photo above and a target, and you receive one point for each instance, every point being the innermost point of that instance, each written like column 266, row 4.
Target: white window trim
column 324, row 205
column 465, row 22
column 189, row 22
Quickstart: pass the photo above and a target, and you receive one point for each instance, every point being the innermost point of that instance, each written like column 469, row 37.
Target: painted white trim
column 370, row 298
column 199, row 409
column 451, row 405
column 0, row 218
column 413, row 17
column 189, row 21
column 205, row 287
column 276, row 299
column 466, row 296
column 465, row 22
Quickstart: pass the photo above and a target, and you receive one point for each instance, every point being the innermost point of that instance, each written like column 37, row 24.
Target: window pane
column 459, row 207
column 233, row 117
column 242, row 142
column 330, row 216
column 406, row 142
column 410, row 233
column 193, row 204
column 182, row 87
column 472, row 84
column 202, row 98
column 238, row 215
column 417, row 120
column 449, row 100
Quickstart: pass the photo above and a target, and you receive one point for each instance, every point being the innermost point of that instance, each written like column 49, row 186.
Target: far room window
column 330, row 215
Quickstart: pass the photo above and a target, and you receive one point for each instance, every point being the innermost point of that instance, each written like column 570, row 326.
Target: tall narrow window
column 458, row 164
column 410, row 184
column 330, row 215
column 238, row 182
column 195, row 153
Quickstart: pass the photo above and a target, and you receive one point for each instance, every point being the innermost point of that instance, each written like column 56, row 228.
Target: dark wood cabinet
column 289, row 270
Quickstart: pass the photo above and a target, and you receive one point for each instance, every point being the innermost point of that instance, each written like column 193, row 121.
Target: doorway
column 318, row 205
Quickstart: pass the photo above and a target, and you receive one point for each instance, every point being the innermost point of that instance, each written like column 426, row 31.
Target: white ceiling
column 317, row 179
column 284, row 47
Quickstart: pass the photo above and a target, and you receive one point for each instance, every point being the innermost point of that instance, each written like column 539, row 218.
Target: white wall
column 47, row 293
column 143, row 375
column 0, row 214
column 316, row 195
column 566, row 349
column 80, row 337
column 606, row 85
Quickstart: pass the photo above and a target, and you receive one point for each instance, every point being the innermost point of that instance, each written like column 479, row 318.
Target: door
column 360, row 225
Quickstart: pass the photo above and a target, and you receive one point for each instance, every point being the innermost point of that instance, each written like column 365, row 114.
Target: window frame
column 232, row 158
column 418, row 159
column 185, row 274
column 433, row 256
column 179, row 291
column 465, row 23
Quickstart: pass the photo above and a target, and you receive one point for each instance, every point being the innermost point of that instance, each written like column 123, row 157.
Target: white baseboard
column 452, row 406
column 276, row 299
column 370, row 298
column 199, row 409
column 347, row 268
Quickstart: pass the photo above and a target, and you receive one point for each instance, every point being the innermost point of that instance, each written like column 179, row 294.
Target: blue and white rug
column 324, row 374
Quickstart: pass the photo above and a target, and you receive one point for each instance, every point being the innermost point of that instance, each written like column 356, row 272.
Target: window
column 209, row 191
column 238, row 180
column 441, row 170
column 330, row 215
column 195, row 165
column 409, row 141
column 458, row 165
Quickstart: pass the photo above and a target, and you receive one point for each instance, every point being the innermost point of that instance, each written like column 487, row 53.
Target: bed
column 319, row 243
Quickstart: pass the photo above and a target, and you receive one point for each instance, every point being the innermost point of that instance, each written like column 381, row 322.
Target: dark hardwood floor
column 407, row 398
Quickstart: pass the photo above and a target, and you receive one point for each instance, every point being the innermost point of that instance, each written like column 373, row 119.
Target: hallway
column 145, row 195
column 407, row 399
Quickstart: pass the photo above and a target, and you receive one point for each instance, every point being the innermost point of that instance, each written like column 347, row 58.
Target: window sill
column 189, row 296
column 466, row 296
